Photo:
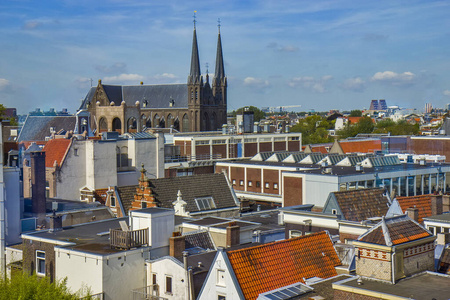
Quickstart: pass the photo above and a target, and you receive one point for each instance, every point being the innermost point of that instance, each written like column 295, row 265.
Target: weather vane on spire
column 218, row 24
column 207, row 66
column 195, row 21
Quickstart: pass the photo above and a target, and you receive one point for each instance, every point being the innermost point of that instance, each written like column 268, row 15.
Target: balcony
column 128, row 239
column 150, row 292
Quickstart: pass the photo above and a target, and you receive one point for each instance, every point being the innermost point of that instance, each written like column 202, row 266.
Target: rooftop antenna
column 90, row 79
column 207, row 66
column 218, row 24
column 195, row 17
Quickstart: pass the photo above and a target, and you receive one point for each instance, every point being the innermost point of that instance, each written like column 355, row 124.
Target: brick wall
column 29, row 257
column 292, row 191
column 375, row 268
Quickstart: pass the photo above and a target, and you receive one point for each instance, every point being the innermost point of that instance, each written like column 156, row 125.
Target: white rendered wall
column 211, row 289
column 161, row 225
column 115, row 275
column 317, row 188
column 167, row 267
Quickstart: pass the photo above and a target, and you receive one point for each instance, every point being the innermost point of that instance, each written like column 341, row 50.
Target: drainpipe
column 188, row 283
column 393, row 265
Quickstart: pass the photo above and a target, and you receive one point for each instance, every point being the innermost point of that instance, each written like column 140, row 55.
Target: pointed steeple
column 195, row 61
column 220, row 71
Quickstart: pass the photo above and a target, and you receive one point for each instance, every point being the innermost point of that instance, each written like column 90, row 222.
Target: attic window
column 205, row 203
column 334, row 211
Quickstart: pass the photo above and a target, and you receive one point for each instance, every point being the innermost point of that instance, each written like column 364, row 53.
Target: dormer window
column 205, row 203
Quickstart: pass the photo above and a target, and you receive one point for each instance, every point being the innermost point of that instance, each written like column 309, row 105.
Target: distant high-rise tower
column 428, row 108
column 382, row 104
column 374, row 105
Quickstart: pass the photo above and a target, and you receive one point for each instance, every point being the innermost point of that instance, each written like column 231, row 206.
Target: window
column 153, row 279
column 113, row 201
column 205, row 203
column 241, row 182
column 168, row 285
column 75, row 152
column 250, row 183
column 267, row 185
column 144, row 204
column 203, row 142
column 275, row 186
column 220, row 297
column 40, row 262
column 234, row 181
column 258, row 184
column 220, row 277
column 47, row 189
column 294, row 233
column 334, row 211
column 294, row 138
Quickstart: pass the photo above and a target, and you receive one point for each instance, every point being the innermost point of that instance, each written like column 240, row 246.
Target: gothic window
column 117, row 125
column 176, row 124
column 148, row 124
column 143, row 121
column 169, row 120
column 162, row 123
column 213, row 122
column 185, row 123
column 205, row 122
column 132, row 125
column 102, row 125
column 156, row 121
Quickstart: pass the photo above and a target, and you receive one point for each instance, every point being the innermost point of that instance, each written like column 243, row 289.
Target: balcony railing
column 128, row 239
column 150, row 292
column 183, row 158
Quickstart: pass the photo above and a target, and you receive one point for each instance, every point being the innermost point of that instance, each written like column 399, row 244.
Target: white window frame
column 205, row 203
column 220, row 278
column 40, row 256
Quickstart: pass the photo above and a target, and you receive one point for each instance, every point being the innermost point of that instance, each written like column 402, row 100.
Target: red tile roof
column 273, row 265
column 55, row 150
column 366, row 146
column 422, row 203
column 394, row 231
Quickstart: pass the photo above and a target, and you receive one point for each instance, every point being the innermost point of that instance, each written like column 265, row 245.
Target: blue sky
column 319, row 54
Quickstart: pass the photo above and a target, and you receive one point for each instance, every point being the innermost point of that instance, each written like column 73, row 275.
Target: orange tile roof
column 422, row 203
column 394, row 231
column 353, row 120
column 273, row 265
column 367, row 146
column 55, row 150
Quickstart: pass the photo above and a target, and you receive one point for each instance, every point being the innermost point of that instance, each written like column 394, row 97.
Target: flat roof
column 91, row 237
column 427, row 285
column 445, row 218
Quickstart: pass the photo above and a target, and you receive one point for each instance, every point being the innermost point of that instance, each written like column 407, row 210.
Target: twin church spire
column 195, row 74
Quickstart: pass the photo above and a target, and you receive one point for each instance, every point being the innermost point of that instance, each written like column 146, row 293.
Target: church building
column 199, row 105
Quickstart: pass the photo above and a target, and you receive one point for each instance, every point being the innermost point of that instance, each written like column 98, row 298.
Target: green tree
column 364, row 125
column 12, row 120
column 356, row 113
column 402, row 127
column 258, row 114
column 314, row 130
column 22, row 286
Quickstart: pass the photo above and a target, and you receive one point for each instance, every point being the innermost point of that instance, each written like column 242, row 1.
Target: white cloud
column 30, row 25
column 446, row 93
column 117, row 67
column 165, row 76
column 356, row 84
column 4, row 84
column 393, row 78
column 311, row 83
column 83, row 83
column 256, row 82
column 134, row 78
column 280, row 48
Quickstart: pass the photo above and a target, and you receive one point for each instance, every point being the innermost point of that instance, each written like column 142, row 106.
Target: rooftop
column 394, row 230
column 55, row 151
column 274, row 265
column 445, row 218
column 422, row 203
column 423, row 286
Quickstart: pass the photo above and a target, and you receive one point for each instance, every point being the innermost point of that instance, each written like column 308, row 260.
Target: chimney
column 233, row 234
column 55, row 223
column 436, row 205
column 445, row 203
column 38, row 186
column 177, row 245
column 413, row 213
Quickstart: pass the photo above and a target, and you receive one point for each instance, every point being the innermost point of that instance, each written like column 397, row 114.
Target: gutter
column 393, row 264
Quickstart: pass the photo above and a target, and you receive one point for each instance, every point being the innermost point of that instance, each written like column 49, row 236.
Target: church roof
column 36, row 128
column 156, row 96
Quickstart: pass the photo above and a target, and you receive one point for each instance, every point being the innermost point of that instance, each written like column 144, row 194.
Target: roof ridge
column 276, row 242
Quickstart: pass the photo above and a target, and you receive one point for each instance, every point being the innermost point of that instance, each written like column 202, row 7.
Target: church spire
column 220, row 71
column 195, row 61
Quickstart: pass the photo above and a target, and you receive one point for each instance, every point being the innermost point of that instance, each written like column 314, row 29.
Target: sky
column 319, row 54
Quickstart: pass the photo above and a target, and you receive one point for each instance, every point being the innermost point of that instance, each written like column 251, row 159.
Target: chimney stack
column 413, row 213
column 177, row 244
column 38, row 186
column 233, row 234
column 443, row 238
column 445, row 203
column 436, row 205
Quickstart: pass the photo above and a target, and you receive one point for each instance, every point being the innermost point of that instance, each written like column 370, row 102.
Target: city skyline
column 321, row 55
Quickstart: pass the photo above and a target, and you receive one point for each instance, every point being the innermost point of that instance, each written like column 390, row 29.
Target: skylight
column 205, row 203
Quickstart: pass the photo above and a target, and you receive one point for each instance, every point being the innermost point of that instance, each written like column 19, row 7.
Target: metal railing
column 150, row 292
column 128, row 239
column 99, row 296
column 183, row 158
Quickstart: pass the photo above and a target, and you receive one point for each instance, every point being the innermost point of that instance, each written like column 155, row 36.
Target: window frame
column 40, row 257
column 168, row 288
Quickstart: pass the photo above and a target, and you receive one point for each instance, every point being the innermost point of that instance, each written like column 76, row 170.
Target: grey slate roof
column 165, row 191
column 36, row 128
column 158, row 96
column 200, row 238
